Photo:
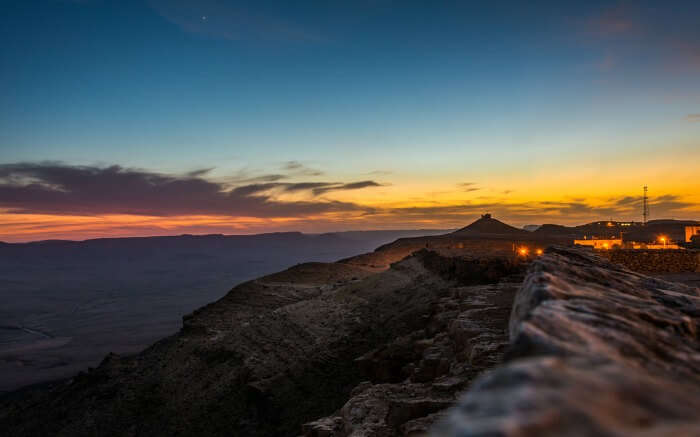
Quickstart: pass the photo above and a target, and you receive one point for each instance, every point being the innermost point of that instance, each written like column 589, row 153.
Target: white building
column 690, row 231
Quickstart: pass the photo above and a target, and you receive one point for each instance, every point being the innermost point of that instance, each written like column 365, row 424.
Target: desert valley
column 446, row 334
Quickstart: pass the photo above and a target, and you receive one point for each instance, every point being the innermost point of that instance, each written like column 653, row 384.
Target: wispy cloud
column 345, row 187
column 693, row 117
column 468, row 187
column 199, row 172
column 315, row 188
column 297, row 168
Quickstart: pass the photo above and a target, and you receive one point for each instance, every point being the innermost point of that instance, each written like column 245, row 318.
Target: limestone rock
column 416, row 377
column 596, row 350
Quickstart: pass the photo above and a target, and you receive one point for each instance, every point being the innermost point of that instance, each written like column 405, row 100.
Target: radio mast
column 645, row 211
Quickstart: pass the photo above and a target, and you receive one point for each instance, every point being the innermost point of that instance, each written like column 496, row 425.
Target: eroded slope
column 272, row 354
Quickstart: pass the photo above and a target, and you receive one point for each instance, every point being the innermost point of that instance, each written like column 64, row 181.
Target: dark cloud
column 261, row 178
column 628, row 200
column 200, row 172
column 344, row 187
column 292, row 165
column 248, row 190
column 358, row 185
column 664, row 206
column 315, row 188
column 64, row 189
column 468, row 187
column 307, row 186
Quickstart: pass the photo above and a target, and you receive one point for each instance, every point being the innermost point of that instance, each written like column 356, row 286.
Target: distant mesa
column 558, row 230
column 489, row 225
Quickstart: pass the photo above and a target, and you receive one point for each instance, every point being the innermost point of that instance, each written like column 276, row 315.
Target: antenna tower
column 645, row 206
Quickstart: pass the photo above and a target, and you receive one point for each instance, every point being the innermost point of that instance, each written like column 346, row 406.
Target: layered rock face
column 596, row 350
column 414, row 379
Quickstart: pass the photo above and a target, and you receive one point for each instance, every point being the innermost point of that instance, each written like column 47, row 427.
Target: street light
column 663, row 240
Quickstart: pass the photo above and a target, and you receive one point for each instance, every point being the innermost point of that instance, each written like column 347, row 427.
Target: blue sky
column 416, row 96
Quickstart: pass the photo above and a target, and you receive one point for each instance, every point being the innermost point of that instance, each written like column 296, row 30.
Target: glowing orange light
column 605, row 245
column 523, row 251
column 539, row 252
column 662, row 239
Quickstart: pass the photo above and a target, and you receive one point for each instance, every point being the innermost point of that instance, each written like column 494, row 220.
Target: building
column 691, row 231
column 660, row 246
column 617, row 243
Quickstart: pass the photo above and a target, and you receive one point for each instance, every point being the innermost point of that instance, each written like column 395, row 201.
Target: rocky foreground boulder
column 596, row 350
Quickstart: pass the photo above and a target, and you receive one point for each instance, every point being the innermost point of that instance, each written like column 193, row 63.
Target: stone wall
column 595, row 350
column 655, row 261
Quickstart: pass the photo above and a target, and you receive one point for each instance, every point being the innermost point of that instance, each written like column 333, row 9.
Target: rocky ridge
column 415, row 378
column 292, row 347
column 596, row 350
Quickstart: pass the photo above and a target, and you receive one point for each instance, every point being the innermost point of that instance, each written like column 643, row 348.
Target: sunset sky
column 159, row 117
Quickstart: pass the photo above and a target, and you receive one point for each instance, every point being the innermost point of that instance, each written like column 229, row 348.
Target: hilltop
column 488, row 225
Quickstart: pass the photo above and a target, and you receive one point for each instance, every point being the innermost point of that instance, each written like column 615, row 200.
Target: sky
column 161, row 117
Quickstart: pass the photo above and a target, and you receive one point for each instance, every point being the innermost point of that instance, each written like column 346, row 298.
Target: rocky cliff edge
column 595, row 350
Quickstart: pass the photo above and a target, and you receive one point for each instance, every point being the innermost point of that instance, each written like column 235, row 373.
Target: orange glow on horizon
column 31, row 227
column 406, row 206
